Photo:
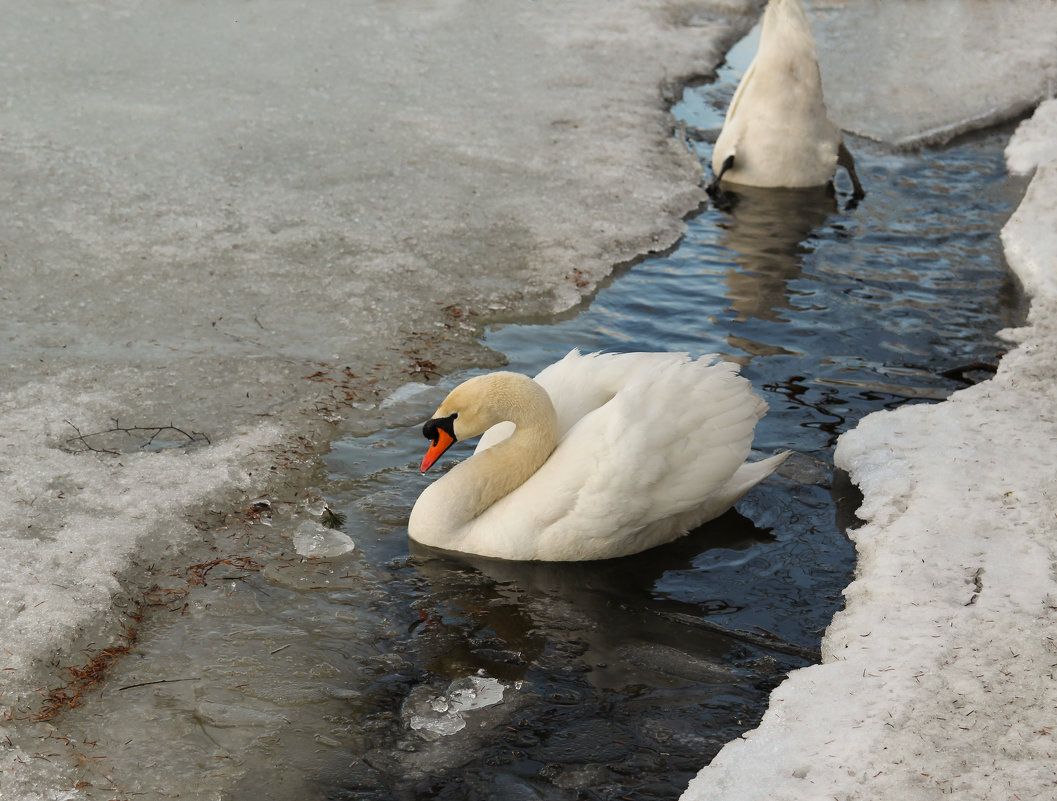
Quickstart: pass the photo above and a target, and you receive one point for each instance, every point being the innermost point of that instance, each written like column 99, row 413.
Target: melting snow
column 193, row 224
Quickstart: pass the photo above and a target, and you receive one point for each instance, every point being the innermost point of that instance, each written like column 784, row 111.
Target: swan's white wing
column 665, row 445
column 580, row 383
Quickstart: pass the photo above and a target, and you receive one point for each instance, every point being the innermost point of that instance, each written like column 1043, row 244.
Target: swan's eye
column 431, row 430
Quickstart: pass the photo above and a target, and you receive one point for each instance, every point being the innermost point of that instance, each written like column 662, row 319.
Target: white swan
column 777, row 131
column 602, row 455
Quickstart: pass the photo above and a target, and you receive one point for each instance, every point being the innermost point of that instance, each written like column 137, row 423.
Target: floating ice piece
column 404, row 393
column 312, row 539
column 474, row 692
column 434, row 716
column 440, row 725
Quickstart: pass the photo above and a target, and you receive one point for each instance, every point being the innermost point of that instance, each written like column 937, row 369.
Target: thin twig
column 159, row 681
column 152, row 433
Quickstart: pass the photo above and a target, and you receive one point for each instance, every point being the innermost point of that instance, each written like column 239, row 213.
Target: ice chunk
column 440, row 724
column 404, row 393
column 474, row 692
column 312, row 539
column 434, row 716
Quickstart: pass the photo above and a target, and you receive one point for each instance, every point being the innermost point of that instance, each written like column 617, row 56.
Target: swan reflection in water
column 505, row 617
column 769, row 232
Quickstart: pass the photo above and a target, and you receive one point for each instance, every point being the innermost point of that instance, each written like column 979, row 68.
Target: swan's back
column 777, row 127
column 581, row 383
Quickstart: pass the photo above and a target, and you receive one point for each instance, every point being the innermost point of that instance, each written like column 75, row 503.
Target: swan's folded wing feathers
column 582, row 382
column 674, row 434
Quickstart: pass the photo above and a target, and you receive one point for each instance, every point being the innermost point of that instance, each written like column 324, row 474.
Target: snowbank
column 937, row 678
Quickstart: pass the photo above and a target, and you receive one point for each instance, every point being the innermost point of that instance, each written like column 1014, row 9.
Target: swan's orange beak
column 443, row 441
column 440, row 431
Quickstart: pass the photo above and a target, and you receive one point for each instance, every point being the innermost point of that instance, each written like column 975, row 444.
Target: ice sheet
column 908, row 72
column 937, row 678
column 79, row 530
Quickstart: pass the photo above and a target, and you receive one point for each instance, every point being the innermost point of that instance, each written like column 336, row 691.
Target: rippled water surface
column 388, row 673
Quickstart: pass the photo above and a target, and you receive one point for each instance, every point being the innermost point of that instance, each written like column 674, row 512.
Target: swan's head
column 478, row 404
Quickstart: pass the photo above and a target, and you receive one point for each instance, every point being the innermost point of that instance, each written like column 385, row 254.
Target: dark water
column 340, row 678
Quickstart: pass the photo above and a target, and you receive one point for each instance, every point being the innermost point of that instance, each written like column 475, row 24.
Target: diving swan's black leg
column 718, row 195
column 845, row 160
column 713, row 188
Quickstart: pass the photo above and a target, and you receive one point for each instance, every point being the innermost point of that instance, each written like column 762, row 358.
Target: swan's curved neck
column 475, row 484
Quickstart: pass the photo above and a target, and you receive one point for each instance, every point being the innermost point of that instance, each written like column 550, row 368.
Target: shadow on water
column 602, row 602
column 764, row 229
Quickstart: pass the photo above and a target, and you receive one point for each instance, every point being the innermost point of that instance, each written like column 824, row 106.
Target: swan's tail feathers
column 786, row 30
column 744, row 479
column 752, row 473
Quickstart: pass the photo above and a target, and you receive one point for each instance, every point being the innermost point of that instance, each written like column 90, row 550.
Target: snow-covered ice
column 909, row 72
column 79, row 530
